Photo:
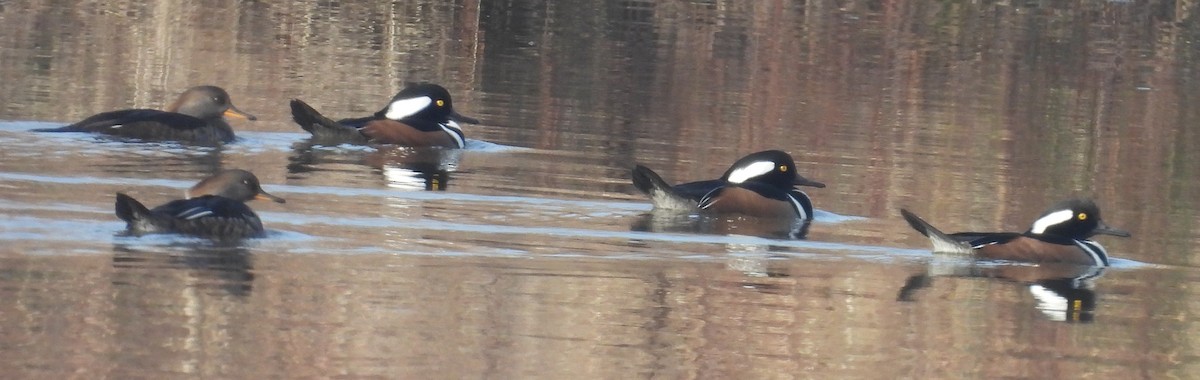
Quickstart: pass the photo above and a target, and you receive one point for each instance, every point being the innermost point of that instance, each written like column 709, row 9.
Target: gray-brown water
column 538, row 260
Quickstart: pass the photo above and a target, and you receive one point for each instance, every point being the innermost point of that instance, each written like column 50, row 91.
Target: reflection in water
column 1064, row 292
column 156, row 159
column 759, row 266
column 116, row 156
column 401, row 167
column 178, row 309
column 227, row 268
column 1066, row 299
column 661, row 220
column 308, row 157
column 416, row 169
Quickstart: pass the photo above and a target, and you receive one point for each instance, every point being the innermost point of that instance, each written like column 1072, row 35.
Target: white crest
column 755, row 169
column 407, row 107
column 1040, row 226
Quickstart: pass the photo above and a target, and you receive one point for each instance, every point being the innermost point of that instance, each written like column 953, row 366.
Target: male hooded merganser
column 1061, row 234
column 214, row 208
column 420, row 115
column 760, row 184
column 196, row 117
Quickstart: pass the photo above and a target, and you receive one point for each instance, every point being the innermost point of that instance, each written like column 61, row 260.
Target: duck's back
column 212, row 216
column 154, row 125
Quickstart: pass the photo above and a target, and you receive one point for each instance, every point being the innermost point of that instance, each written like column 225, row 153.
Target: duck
column 214, row 208
column 1062, row 234
column 420, row 116
column 761, row 184
column 197, row 117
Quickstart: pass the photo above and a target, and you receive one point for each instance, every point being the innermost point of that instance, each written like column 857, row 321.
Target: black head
column 236, row 184
column 423, row 101
column 207, row 102
column 771, row 167
column 1075, row 219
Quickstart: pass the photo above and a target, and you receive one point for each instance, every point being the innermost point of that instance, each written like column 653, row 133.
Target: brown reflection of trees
column 347, row 57
column 413, row 316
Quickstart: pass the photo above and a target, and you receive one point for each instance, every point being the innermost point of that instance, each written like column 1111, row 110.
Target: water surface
column 530, row 255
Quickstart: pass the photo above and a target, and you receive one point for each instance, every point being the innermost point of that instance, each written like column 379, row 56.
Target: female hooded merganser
column 214, row 208
column 760, row 184
column 420, row 115
column 1061, row 234
column 196, row 117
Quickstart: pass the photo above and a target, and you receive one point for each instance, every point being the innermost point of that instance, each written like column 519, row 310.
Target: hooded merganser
column 420, row 115
column 214, row 208
column 760, row 184
column 1061, row 234
column 196, row 117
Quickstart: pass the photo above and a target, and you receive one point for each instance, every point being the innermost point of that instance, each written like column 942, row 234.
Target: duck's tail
column 942, row 242
column 137, row 217
column 65, row 128
column 662, row 195
column 321, row 127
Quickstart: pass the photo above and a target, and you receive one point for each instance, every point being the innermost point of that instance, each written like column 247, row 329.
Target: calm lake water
column 536, row 258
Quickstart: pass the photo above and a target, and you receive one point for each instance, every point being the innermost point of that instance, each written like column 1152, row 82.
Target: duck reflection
column 1063, row 292
column 155, row 158
column 758, row 265
column 415, row 169
column 204, row 265
column 662, row 220
column 401, row 167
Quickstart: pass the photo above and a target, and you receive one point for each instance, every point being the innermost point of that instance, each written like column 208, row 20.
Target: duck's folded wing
column 698, row 189
column 979, row 239
column 116, row 122
column 208, row 212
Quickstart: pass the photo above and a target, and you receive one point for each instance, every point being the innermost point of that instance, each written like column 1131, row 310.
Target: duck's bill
column 1104, row 229
column 463, row 119
column 801, row 181
column 263, row 196
column 234, row 112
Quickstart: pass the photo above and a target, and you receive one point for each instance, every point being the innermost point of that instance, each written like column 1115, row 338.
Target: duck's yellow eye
column 441, row 102
column 1082, row 216
column 783, row 168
